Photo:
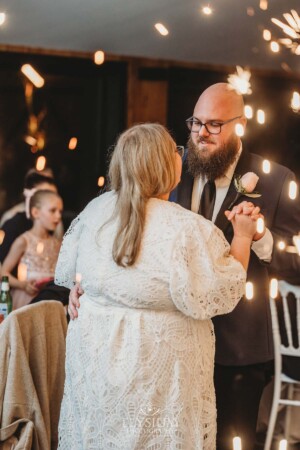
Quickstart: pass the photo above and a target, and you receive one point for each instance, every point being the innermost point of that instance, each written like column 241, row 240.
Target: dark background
column 81, row 100
column 91, row 103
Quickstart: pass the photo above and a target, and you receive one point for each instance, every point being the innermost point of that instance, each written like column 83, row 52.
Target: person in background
column 21, row 221
column 220, row 168
column 140, row 356
column 35, row 251
column 20, row 207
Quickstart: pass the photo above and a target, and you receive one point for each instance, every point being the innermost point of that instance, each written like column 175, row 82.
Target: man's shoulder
column 257, row 161
column 18, row 220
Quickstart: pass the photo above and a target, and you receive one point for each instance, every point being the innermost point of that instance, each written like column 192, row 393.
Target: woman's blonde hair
column 143, row 165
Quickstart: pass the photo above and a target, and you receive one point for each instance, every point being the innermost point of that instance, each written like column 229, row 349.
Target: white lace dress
column 140, row 356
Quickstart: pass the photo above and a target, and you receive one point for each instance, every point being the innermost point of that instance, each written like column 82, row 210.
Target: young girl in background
column 35, row 251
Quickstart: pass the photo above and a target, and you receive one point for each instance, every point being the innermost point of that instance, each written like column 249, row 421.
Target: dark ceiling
column 231, row 35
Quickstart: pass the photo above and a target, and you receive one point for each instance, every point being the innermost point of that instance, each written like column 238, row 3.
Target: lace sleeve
column 205, row 279
column 65, row 272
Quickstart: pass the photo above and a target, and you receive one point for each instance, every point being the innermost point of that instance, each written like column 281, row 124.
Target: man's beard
column 212, row 165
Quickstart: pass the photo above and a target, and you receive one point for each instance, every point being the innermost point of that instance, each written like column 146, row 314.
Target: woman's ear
column 34, row 212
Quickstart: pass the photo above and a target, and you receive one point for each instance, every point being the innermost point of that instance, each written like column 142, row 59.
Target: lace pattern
column 140, row 357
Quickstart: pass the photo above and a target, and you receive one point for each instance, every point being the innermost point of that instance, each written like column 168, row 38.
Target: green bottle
column 5, row 298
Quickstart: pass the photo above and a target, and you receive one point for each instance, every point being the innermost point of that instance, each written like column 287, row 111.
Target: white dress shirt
column 262, row 248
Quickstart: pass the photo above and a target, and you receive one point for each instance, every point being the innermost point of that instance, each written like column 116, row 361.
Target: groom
column 244, row 348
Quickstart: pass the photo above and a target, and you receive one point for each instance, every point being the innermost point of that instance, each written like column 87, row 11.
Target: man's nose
column 203, row 131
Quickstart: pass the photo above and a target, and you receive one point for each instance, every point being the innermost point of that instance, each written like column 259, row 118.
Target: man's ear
column 34, row 212
column 243, row 121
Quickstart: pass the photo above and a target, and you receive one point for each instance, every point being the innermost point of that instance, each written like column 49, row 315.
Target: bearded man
column 244, row 346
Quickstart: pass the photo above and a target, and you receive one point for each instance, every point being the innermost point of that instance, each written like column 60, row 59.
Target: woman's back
column 146, row 284
column 144, row 359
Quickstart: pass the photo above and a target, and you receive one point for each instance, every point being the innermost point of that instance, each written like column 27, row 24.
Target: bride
column 140, row 356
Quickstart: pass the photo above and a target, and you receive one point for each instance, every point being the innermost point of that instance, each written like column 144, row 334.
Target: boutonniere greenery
column 245, row 185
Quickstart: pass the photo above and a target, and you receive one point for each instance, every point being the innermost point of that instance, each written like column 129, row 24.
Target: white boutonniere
column 245, row 185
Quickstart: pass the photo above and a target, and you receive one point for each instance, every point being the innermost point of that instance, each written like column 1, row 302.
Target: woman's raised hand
column 244, row 218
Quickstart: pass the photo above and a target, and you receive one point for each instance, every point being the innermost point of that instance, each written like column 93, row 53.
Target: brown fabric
column 32, row 355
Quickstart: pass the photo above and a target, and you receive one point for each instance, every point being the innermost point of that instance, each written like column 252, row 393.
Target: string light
column 207, row 10
column 73, row 143
column 260, row 116
column 99, row 57
column 161, row 29
column 33, row 75
column 295, row 102
column 249, row 290
column 2, row 18
column 263, row 4
column 239, row 130
column 260, row 225
column 248, row 111
column 266, row 167
column 296, row 240
column 274, row 46
column 237, row 443
column 283, row 444
column 281, row 245
column 101, row 181
column 267, row 35
column 273, row 288
column 40, row 163
column 292, row 190
column 30, row 140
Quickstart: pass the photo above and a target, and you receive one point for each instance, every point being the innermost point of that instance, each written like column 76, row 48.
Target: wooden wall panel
column 147, row 100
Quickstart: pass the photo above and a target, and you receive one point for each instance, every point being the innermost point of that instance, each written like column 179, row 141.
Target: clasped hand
column 244, row 218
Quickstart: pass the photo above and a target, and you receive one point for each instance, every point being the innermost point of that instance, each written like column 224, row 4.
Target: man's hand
column 74, row 303
column 246, row 208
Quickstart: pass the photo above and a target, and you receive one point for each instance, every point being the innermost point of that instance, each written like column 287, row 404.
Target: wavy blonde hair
column 143, row 165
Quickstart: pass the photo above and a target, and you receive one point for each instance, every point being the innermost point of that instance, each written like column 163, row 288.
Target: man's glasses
column 180, row 150
column 212, row 126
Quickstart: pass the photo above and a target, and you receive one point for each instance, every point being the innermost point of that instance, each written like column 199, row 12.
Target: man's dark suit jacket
column 245, row 335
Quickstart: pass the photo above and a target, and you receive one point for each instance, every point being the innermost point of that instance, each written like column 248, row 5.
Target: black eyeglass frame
column 192, row 120
column 180, row 150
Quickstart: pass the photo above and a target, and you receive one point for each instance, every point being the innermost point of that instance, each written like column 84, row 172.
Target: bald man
column 244, row 347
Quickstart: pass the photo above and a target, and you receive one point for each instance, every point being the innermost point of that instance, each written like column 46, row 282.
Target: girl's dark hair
column 33, row 179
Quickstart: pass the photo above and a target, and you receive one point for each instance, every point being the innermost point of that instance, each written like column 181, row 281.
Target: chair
column 32, row 355
column 279, row 350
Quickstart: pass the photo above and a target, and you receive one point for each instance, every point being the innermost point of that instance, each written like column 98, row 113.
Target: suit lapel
column 221, row 220
column 185, row 188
